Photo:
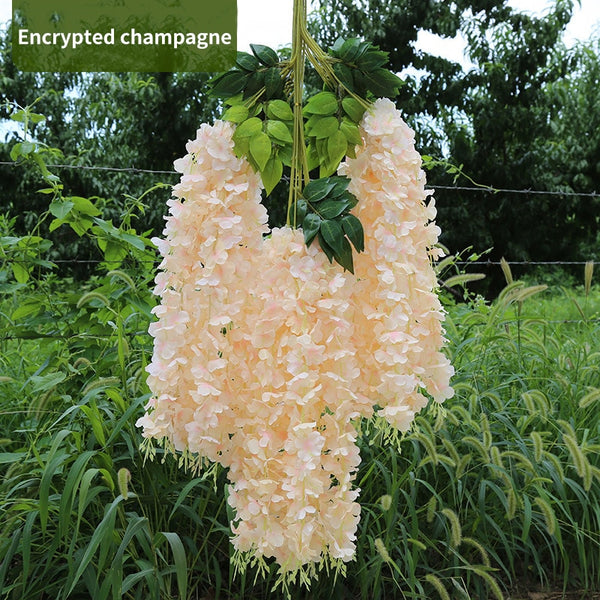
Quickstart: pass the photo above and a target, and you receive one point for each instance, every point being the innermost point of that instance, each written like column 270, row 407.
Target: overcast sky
column 269, row 22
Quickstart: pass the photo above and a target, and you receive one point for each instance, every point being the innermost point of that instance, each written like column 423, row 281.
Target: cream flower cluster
column 265, row 354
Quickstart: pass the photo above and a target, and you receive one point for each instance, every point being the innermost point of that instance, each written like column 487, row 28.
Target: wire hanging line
column 481, row 188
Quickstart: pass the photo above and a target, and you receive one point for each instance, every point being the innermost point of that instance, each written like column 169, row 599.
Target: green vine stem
column 305, row 47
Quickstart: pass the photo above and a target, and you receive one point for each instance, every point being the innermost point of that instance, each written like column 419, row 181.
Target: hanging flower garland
column 267, row 352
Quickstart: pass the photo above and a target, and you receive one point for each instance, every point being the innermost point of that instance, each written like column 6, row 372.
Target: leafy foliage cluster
column 258, row 91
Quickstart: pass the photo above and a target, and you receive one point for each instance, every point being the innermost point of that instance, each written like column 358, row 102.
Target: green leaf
column 133, row 240
column 340, row 186
column 114, row 252
column 329, row 209
column 43, row 383
column 353, row 108
column 260, row 149
column 61, row 208
column 271, row 174
column 285, row 155
column 279, row 109
column 335, row 48
column 344, row 74
column 372, row 59
column 354, row 230
column 236, row 114
column 230, row 84
column 317, row 189
column 27, row 308
column 329, row 252
column 83, row 206
column 273, row 82
column 247, row 62
column 301, row 210
column 249, row 128
column 323, row 103
column 312, row 156
column 327, row 168
column 336, row 147
column 333, row 235
column 279, row 131
column 350, row 50
column 352, row 132
column 344, row 258
column 383, row 83
column 310, row 227
column 266, row 55
column 20, row 272
column 324, row 127
column 256, row 81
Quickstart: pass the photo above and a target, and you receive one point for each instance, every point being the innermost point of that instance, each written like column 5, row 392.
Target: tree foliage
column 523, row 117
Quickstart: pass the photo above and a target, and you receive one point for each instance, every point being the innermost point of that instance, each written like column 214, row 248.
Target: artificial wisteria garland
column 266, row 354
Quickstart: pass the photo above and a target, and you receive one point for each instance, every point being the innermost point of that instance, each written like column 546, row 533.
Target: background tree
column 507, row 121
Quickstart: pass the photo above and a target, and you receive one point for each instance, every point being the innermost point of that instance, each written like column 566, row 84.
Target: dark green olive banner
column 124, row 35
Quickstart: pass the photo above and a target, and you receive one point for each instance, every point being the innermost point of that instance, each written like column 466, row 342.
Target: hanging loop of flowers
column 266, row 352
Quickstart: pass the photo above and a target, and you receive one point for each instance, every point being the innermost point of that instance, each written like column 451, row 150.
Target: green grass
column 500, row 485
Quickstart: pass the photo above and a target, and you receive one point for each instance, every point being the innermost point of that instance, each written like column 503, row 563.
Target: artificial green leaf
column 354, row 230
column 351, row 131
column 279, row 131
column 260, row 149
column 232, row 83
column 329, row 209
column 256, row 81
column 242, row 146
column 312, row 157
column 249, row 128
column 323, row 103
column 344, row 258
column 327, row 168
column 237, row 99
column 271, row 174
column 353, row 108
column 266, row 55
column 310, row 227
column 325, row 127
column 383, row 83
column 301, row 210
column 341, row 185
column 285, row 155
column 279, row 109
column 317, row 189
column 349, row 198
column 336, row 147
column 236, row 114
column 344, row 74
column 273, row 82
column 372, row 60
column 333, row 234
column 350, row 50
column 60, row 208
column 247, row 61
column 329, row 252
column 335, row 48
